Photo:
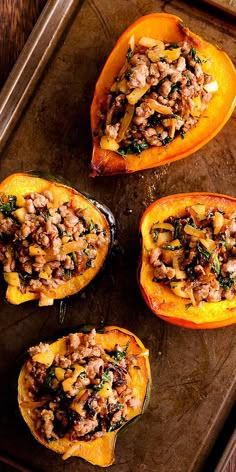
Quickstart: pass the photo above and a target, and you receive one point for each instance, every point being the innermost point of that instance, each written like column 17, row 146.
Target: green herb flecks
column 82, row 375
column 60, row 231
column 177, row 229
column 171, row 248
column 89, row 263
column 154, row 120
column 166, row 140
column 188, row 305
column 173, row 46
column 191, row 223
column 68, row 273
column 49, row 440
column 155, row 232
column 193, row 54
column 91, row 226
column 128, row 73
column 114, row 426
column 97, row 229
column 47, row 384
column 105, row 378
column 225, row 282
column 119, row 406
column 134, row 148
column 74, row 259
column 91, row 433
column 215, row 264
column 62, row 395
column 203, row 252
column 222, row 242
column 129, row 54
column 175, row 87
column 7, row 204
column 45, row 213
column 119, row 355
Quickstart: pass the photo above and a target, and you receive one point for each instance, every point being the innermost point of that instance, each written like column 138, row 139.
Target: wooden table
column 17, row 18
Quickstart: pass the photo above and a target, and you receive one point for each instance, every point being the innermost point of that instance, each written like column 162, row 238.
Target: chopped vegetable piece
column 163, row 109
column 109, row 143
column 211, row 87
column 151, row 43
column 198, row 233
column 126, row 121
column 136, row 94
column 12, row 278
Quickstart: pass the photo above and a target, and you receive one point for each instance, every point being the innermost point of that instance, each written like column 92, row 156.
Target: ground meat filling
column 160, row 93
column 42, row 247
column 84, row 393
column 195, row 254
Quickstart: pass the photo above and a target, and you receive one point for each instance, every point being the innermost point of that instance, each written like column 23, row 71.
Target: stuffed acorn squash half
column 53, row 239
column 77, row 393
column 187, row 272
column 163, row 93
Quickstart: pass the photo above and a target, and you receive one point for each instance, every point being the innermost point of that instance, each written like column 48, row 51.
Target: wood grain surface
column 231, row 467
column 17, row 18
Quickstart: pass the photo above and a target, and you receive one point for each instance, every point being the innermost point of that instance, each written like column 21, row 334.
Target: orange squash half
column 158, row 296
column 22, row 184
column 99, row 451
column 168, row 28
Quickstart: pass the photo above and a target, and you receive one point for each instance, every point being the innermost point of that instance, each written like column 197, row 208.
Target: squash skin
column 160, row 299
column 100, row 451
column 23, row 183
column 168, row 28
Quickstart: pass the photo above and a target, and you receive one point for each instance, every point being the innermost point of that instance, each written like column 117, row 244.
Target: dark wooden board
column 16, row 22
column 193, row 371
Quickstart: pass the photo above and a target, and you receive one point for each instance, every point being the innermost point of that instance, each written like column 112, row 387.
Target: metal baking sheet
column 227, row 6
column 193, row 371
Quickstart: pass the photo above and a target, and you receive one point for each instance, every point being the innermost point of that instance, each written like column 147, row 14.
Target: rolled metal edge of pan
column 225, row 6
column 28, row 68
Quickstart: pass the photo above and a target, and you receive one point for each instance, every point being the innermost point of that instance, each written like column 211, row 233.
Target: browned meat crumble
column 159, row 94
column 42, row 247
column 84, row 393
column 196, row 254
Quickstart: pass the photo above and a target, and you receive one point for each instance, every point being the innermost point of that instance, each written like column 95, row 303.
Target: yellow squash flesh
column 23, row 184
column 167, row 28
column 99, row 451
column 159, row 297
